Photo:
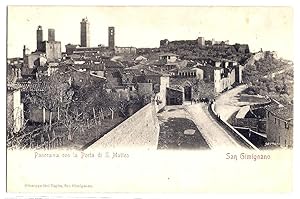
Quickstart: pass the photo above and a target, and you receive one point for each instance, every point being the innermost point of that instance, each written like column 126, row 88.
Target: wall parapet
column 139, row 130
column 233, row 132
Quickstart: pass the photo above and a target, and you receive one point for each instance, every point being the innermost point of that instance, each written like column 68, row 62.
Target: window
column 275, row 120
column 286, row 125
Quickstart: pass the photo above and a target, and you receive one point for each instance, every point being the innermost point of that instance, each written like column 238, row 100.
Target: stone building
column 190, row 72
column 164, row 43
column 87, row 51
column 35, row 59
column 144, row 89
column 147, row 80
column 175, row 96
column 52, row 49
column 242, row 48
column 125, row 50
column 70, row 48
column 26, row 52
column 201, row 41
column 84, row 78
column 223, row 73
column 168, row 58
column 279, row 125
column 15, row 114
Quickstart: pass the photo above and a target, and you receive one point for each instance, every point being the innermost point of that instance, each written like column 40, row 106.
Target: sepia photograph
column 152, row 92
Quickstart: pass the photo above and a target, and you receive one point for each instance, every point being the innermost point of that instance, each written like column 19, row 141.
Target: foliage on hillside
column 261, row 81
column 203, row 89
column 190, row 52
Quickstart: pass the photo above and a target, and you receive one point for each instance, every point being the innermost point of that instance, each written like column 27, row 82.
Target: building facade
column 52, row 50
column 175, row 96
column 201, row 41
column 125, row 50
column 34, row 59
column 279, row 126
column 168, row 57
column 187, row 72
column 15, row 114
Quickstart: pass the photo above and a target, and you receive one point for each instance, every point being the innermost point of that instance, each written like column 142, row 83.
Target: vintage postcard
column 149, row 99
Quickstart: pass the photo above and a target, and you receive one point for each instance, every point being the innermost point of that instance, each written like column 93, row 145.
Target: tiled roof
column 176, row 87
column 95, row 67
column 210, row 66
column 153, row 72
column 12, row 87
column 25, row 86
column 168, row 54
column 112, row 64
column 283, row 112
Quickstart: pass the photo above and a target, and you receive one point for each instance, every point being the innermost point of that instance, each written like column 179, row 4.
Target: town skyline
column 138, row 30
column 206, row 90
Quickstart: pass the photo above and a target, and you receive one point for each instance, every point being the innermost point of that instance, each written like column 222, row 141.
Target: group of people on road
column 203, row 99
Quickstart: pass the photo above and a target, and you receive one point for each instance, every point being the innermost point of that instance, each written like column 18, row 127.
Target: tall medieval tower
column 111, row 37
column 51, row 34
column 84, row 33
column 39, row 38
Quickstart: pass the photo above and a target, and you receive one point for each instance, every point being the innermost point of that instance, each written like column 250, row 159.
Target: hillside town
column 184, row 94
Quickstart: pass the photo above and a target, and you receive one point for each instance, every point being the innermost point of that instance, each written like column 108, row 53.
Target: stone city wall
column 141, row 130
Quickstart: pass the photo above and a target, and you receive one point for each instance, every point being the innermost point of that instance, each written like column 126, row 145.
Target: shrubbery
column 258, row 77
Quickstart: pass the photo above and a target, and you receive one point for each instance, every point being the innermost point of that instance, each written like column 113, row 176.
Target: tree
column 57, row 93
column 203, row 89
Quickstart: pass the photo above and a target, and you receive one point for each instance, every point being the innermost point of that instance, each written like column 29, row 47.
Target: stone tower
column 51, row 34
column 85, row 33
column 111, row 37
column 39, row 38
column 201, row 41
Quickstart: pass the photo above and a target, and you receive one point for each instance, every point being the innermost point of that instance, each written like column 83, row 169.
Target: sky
column 269, row 28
